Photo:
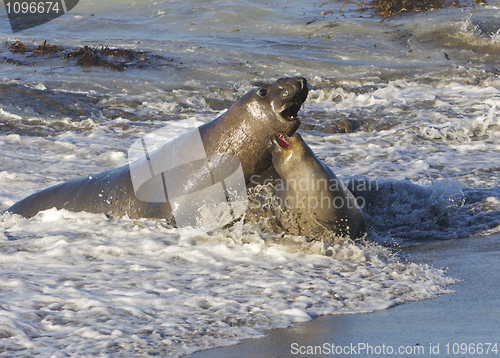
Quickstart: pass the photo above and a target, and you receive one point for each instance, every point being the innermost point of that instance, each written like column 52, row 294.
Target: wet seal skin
column 311, row 196
column 245, row 131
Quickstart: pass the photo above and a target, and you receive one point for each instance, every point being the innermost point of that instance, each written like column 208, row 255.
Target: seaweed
column 118, row 59
column 10, row 61
column 45, row 48
column 100, row 56
column 18, row 47
column 120, row 52
column 93, row 56
column 389, row 8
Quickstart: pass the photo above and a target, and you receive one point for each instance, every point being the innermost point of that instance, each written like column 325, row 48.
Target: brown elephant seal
column 311, row 196
column 240, row 136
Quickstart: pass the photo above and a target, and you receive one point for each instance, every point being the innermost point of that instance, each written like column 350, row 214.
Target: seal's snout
column 293, row 94
column 292, row 87
column 301, row 88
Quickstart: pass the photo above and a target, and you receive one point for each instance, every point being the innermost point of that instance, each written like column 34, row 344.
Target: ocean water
column 405, row 111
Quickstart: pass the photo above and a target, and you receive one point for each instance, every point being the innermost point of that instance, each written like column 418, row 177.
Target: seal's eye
column 262, row 92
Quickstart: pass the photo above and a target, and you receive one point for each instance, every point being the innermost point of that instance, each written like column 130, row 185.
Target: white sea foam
column 133, row 287
column 433, row 139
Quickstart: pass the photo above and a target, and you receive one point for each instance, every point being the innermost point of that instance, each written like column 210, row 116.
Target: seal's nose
column 302, row 82
column 292, row 87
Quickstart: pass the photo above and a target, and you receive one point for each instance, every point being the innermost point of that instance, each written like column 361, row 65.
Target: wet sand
column 459, row 324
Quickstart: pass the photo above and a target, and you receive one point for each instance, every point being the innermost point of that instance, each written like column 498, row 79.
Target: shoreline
column 457, row 324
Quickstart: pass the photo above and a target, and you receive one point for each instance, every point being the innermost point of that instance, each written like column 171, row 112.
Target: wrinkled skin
column 245, row 131
column 310, row 190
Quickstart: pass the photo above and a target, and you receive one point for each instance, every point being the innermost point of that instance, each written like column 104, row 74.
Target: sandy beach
column 460, row 324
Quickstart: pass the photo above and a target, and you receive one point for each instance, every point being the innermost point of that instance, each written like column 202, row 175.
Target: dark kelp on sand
column 87, row 56
column 389, row 8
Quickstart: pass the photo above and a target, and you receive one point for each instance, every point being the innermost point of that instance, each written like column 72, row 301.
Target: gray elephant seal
column 245, row 131
column 312, row 193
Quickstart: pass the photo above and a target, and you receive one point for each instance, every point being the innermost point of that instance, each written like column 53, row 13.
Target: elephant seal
column 311, row 196
column 244, row 131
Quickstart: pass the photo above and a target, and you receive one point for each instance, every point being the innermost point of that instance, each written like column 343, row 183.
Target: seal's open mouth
column 290, row 113
column 283, row 140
